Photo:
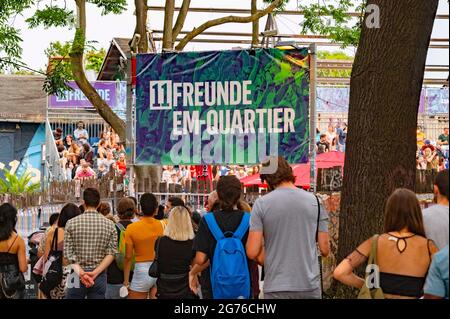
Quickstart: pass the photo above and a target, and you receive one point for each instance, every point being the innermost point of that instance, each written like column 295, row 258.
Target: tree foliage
column 94, row 59
column 332, row 20
column 12, row 184
column 52, row 17
column 330, row 73
column 60, row 68
column 327, row 19
column 48, row 13
column 10, row 49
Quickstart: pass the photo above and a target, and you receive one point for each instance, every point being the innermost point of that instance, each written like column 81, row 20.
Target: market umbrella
column 252, row 180
column 302, row 171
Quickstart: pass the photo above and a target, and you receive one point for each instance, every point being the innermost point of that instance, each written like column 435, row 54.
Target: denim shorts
column 142, row 282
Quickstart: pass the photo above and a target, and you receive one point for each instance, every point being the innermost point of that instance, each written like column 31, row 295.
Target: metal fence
column 114, row 186
column 94, row 127
column 110, row 186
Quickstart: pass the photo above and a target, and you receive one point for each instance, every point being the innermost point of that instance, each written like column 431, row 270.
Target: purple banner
column 76, row 98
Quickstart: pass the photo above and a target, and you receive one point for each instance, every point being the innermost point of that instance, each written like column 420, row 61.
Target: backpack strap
column 318, row 218
column 243, row 226
column 120, row 226
column 214, row 227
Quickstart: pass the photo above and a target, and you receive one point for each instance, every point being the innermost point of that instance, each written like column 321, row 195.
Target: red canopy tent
column 302, row 171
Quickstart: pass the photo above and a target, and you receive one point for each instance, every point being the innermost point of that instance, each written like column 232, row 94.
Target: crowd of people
column 182, row 174
column 152, row 252
column 81, row 160
column 432, row 155
column 334, row 139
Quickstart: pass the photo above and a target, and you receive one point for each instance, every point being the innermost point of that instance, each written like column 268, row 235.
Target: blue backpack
column 230, row 277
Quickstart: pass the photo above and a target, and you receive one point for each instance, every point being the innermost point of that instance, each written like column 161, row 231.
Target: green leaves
column 12, row 184
column 110, row 6
column 53, row 14
column 61, row 68
column 58, row 48
column 329, row 73
column 9, row 45
column 56, row 79
column 334, row 21
column 281, row 7
column 94, row 59
column 9, row 7
column 52, row 17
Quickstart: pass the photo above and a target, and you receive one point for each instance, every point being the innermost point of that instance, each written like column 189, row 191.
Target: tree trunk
column 255, row 25
column 168, row 40
column 76, row 59
column 141, row 24
column 385, row 90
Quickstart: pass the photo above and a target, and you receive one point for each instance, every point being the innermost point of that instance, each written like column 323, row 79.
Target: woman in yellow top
column 140, row 240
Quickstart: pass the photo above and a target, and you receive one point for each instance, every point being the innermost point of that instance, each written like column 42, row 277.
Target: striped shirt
column 88, row 239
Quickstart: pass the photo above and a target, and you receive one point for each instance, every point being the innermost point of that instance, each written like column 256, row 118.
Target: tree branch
column 141, row 24
column 182, row 14
column 230, row 19
column 255, row 24
column 168, row 40
column 76, row 60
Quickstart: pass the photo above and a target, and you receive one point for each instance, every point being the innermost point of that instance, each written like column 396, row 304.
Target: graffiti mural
column 23, row 151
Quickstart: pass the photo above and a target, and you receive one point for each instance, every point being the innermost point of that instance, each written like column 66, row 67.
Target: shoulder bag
column 154, row 271
column 53, row 270
column 376, row 292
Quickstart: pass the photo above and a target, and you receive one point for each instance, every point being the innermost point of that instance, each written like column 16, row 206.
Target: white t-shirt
column 77, row 133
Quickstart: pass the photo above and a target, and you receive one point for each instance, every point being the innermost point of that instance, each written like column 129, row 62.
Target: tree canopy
column 327, row 19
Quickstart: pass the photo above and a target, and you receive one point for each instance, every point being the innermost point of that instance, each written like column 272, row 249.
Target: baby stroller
column 33, row 243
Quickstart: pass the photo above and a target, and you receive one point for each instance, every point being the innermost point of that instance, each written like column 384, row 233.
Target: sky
column 103, row 28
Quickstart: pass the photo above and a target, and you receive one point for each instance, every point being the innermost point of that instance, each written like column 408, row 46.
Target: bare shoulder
column 17, row 241
column 365, row 247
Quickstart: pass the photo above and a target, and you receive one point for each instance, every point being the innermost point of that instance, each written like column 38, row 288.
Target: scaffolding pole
column 312, row 114
column 130, row 134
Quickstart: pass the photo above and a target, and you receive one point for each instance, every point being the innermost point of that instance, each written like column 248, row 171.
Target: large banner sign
column 113, row 93
column 233, row 107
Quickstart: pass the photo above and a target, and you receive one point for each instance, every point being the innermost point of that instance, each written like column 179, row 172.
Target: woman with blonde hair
column 174, row 254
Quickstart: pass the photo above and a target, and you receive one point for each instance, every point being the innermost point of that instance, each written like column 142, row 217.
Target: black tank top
column 7, row 258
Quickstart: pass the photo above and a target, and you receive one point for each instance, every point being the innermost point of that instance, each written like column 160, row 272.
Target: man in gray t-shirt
column 282, row 236
column 435, row 218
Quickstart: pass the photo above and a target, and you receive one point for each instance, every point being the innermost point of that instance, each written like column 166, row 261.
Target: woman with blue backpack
column 220, row 243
